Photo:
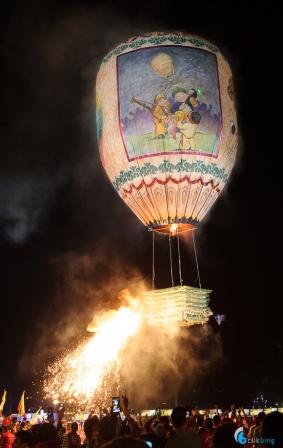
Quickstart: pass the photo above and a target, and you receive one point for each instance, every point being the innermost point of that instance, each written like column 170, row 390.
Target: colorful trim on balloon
column 158, row 40
column 168, row 167
column 174, row 181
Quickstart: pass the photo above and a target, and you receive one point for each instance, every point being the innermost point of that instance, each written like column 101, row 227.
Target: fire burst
column 90, row 374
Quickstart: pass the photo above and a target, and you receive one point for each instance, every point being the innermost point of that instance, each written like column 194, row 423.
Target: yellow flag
column 36, row 413
column 33, row 420
column 21, row 405
column 3, row 401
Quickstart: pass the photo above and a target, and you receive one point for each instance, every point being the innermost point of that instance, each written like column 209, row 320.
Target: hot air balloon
column 167, row 132
column 165, row 104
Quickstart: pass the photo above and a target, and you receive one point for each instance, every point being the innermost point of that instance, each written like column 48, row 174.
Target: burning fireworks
column 91, row 372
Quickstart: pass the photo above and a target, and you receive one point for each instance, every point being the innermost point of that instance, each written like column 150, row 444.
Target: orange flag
column 21, row 405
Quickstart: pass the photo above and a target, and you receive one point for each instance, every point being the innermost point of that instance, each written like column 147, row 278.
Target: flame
column 92, row 367
column 99, row 322
column 173, row 228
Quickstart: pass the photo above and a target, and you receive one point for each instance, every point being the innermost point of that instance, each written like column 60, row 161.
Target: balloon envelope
column 167, row 126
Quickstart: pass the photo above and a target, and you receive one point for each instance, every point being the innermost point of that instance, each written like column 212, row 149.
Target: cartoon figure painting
column 160, row 111
column 183, row 100
column 161, row 115
column 188, row 124
column 174, row 80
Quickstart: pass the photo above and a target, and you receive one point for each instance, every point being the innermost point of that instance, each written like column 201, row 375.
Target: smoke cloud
column 156, row 364
column 160, row 362
column 88, row 285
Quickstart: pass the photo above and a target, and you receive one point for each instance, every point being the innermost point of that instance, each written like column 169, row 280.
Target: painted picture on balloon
column 170, row 102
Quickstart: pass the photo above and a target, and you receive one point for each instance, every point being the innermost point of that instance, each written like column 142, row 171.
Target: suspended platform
column 179, row 305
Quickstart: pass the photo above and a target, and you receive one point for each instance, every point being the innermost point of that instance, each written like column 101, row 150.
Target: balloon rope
column 171, row 261
column 180, row 271
column 196, row 259
column 153, row 271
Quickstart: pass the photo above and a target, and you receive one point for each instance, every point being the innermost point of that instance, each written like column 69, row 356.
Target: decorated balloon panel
column 167, row 125
column 158, row 82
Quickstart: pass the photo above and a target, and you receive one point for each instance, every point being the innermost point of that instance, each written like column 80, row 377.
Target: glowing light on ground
column 91, row 371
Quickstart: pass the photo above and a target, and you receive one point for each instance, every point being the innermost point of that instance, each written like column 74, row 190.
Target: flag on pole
column 3, row 401
column 36, row 413
column 21, row 405
column 33, row 420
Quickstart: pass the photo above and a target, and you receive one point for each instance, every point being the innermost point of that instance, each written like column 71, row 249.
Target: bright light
column 93, row 367
column 173, row 228
column 179, row 305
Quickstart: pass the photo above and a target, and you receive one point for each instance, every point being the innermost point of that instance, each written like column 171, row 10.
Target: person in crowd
column 232, row 414
column 163, row 431
column 72, row 440
column 253, row 427
column 148, row 426
column 192, row 425
column 258, row 429
column 15, row 427
column 200, row 424
column 60, row 429
column 224, row 436
column 183, row 437
column 246, row 422
column 216, row 421
column 91, row 431
column 196, row 412
column 132, row 425
column 169, row 431
column 207, row 435
column 216, row 409
column 60, row 432
column 239, row 418
column 226, row 421
column 23, row 439
column 8, row 421
column 139, row 419
column 106, row 430
column 45, row 436
column 160, row 435
column 206, row 414
column 225, row 418
column 7, row 437
column 272, row 429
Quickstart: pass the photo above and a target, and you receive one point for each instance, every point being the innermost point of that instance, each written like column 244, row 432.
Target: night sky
column 68, row 242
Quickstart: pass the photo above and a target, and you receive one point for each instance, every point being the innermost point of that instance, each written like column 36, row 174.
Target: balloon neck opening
column 173, row 229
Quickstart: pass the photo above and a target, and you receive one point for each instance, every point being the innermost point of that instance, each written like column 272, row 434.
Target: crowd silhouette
column 182, row 429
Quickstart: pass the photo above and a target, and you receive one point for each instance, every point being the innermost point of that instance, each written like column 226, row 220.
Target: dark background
column 65, row 233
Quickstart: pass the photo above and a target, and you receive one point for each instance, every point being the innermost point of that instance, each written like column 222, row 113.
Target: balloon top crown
column 161, row 38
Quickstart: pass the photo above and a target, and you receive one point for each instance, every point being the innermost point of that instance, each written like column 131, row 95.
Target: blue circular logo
column 239, row 436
